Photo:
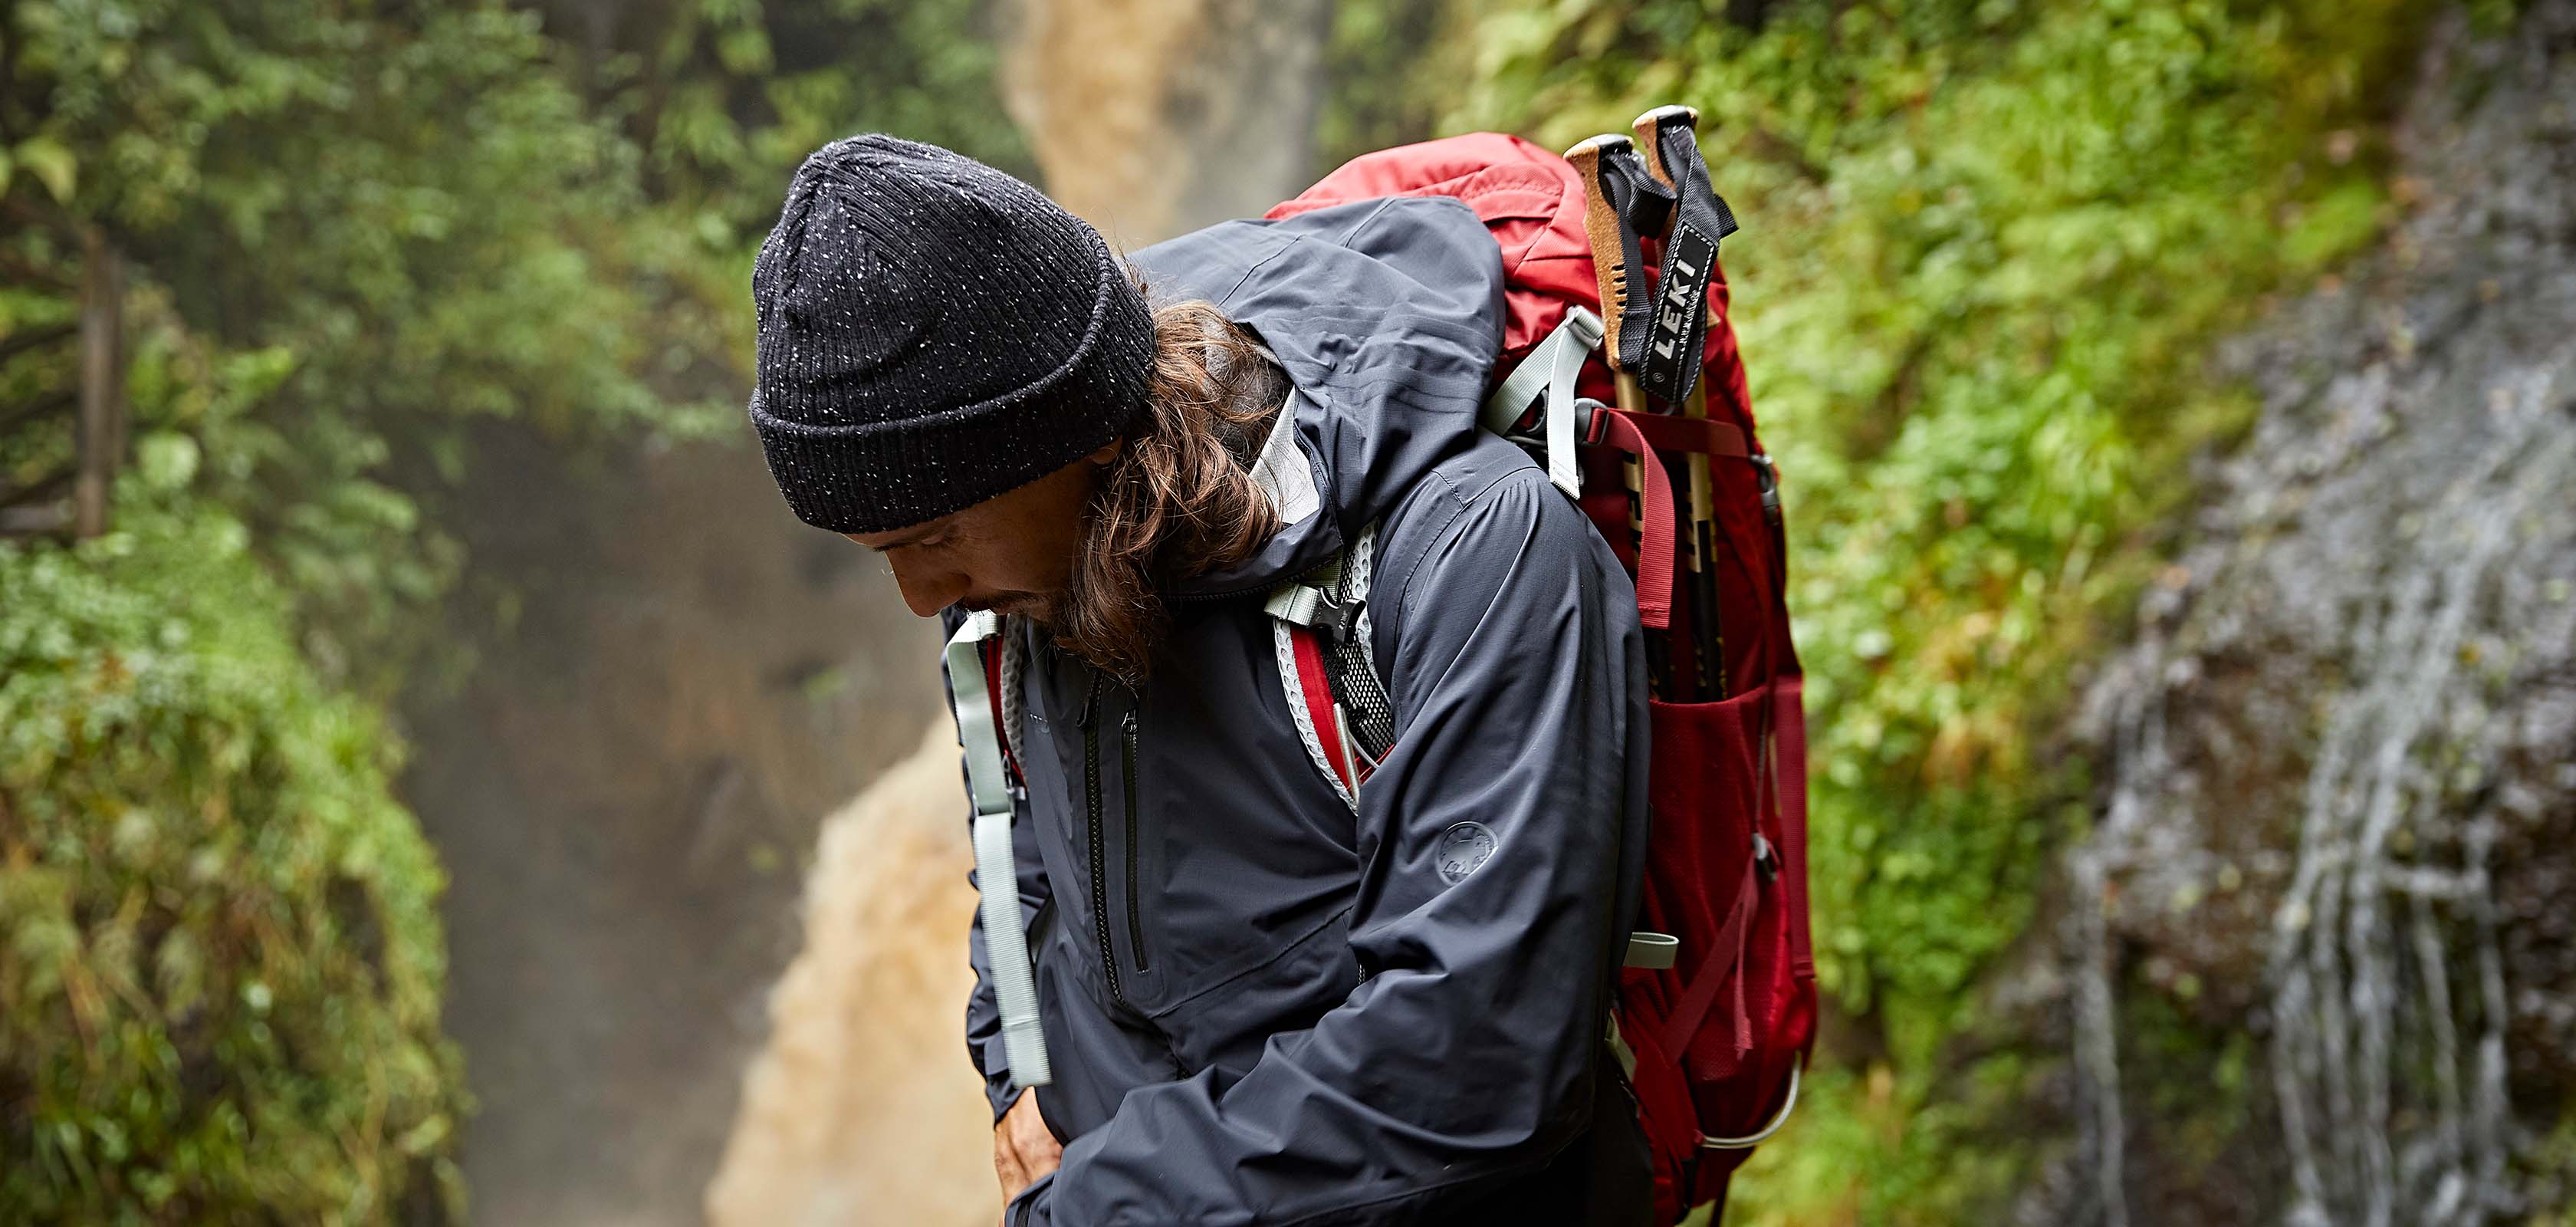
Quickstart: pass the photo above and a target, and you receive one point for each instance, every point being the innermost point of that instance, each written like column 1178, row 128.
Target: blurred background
column 439, row 782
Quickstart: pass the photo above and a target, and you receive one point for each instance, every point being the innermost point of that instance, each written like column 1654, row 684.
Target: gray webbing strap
column 1006, row 949
column 1551, row 368
column 1302, row 602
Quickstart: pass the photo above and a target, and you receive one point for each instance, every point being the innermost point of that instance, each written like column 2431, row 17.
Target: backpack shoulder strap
column 1320, row 630
column 977, row 705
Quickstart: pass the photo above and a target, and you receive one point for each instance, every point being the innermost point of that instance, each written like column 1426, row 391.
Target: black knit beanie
column 933, row 332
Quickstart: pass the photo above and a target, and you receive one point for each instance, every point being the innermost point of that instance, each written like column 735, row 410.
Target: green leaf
column 50, row 162
column 166, row 459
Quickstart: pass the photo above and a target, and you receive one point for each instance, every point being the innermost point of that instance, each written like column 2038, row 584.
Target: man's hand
column 1023, row 1148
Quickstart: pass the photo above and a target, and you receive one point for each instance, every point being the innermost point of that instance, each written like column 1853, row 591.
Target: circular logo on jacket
column 1462, row 848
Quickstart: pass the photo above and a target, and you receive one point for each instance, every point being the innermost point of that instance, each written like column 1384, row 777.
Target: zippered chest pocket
column 1190, row 838
column 1113, row 839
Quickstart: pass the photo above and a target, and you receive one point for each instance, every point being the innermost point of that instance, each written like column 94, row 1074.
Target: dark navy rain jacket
column 1261, row 1007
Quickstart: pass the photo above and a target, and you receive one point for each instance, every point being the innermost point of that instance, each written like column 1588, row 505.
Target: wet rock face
column 2341, row 811
column 621, row 794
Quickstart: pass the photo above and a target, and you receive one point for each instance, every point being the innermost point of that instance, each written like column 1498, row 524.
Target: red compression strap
column 1790, row 711
column 1715, row 968
column 1318, row 692
column 1655, row 554
column 1701, row 435
column 1663, row 1099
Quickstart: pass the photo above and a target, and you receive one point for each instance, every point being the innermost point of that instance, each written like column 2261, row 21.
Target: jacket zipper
column 1135, row 923
column 1099, row 858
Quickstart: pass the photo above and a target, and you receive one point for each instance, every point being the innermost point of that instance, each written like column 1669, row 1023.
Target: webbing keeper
column 1652, row 951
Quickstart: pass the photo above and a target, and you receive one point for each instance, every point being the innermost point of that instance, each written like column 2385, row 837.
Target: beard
column 1042, row 608
column 1108, row 614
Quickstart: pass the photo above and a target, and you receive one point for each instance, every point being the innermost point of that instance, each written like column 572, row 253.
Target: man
column 1263, row 1002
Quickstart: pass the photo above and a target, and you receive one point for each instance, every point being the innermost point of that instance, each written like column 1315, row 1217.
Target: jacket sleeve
column 1489, row 842
column 983, row 1017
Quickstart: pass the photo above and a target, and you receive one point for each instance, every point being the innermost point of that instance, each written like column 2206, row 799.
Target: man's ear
column 1108, row 452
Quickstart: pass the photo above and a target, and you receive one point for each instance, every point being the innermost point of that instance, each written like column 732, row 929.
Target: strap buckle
column 1317, row 608
column 1334, row 617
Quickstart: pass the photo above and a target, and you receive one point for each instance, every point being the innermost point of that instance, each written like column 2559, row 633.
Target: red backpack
column 1717, row 1004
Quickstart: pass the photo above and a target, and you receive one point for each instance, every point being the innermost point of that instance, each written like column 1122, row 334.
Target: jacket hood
column 1386, row 315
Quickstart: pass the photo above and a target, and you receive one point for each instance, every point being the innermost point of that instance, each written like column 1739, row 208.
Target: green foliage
column 357, row 236
column 1872, row 1146
column 219, row 988
column 438, row 225
column 409, row 213
column 2553, row 1160
column 728, row 96
column 1987, row 245
column 1388, row 69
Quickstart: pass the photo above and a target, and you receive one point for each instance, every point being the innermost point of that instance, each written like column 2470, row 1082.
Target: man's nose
column 927, row 590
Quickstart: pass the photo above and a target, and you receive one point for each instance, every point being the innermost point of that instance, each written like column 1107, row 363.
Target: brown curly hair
column 1180, row 499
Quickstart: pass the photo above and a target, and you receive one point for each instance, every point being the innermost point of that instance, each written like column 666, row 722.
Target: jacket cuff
column 1034, row 1207
column 999, row 1090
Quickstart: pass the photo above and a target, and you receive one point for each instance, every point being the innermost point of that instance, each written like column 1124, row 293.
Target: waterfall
column 2339, row 776
column 863, row 1108
column 1154, row 117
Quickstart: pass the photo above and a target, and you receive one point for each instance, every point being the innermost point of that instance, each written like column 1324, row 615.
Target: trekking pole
column 1708, row 634
column 1603, row 226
